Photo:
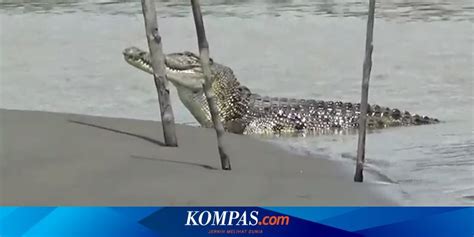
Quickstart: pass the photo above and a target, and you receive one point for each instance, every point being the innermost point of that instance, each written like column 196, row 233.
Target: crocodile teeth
column 146, row 64
column 180, row 71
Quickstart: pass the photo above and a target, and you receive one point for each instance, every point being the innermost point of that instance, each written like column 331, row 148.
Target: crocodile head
column 182, row 69
column 185, row 72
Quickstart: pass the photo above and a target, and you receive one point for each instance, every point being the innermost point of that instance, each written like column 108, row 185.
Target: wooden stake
column 359, row 177
column 210, row 95
column 159, row 71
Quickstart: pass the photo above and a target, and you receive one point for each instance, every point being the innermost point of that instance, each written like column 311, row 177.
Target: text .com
column 233, row 218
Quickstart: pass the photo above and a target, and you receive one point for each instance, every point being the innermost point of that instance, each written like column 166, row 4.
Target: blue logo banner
column 237, row 221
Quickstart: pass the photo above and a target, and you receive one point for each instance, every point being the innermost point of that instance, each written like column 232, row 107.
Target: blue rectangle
column 238, row 221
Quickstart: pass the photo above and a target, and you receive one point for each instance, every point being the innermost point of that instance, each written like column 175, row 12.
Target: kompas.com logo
column 233, row 218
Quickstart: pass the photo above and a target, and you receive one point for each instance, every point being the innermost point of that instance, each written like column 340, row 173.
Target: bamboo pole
column 359, row 177
column 159, row 71
column 210, row 95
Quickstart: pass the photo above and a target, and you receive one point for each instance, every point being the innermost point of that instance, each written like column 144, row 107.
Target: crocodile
column 242, row 111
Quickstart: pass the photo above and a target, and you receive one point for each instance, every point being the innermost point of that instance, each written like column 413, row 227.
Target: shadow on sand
column 148, row 139
column 208, row 167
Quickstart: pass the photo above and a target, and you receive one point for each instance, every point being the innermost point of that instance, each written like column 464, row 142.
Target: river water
column 65, row 56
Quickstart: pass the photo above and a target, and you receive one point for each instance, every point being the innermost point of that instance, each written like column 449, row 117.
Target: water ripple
column 397, row 10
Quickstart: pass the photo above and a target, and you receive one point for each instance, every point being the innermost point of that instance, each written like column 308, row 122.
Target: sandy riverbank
column 65, row 159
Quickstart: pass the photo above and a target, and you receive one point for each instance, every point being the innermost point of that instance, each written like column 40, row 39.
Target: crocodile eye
column 190, row 54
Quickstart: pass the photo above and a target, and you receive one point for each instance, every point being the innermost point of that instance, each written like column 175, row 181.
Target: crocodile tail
column 420, row 120
column 385, row 117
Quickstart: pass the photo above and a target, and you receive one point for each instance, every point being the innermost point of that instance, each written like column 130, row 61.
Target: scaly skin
column 242, row 111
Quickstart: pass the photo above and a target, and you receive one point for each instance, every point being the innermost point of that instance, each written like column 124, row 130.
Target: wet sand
column 65, row 159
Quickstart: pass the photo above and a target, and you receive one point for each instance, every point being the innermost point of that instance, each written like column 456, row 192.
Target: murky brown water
column 66, row 56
